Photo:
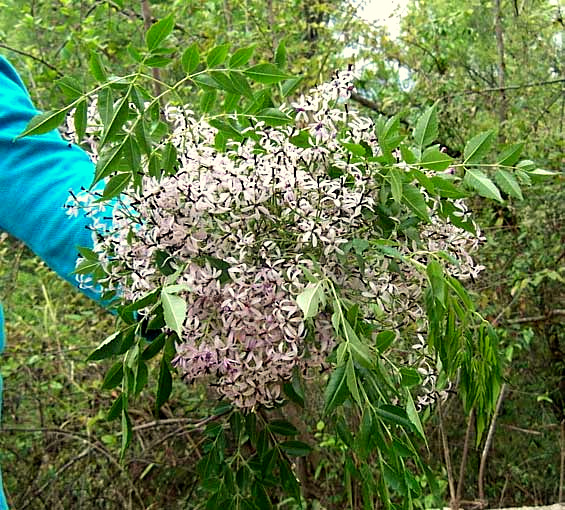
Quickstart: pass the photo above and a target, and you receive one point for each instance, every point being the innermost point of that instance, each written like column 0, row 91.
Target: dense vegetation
column 486, row 65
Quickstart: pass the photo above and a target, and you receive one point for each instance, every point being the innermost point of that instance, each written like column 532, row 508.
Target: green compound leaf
column 106, row 348
column 336, row 391
column 434, row 159
column 310, row 299
column 208, row 100
column 482, row 184
column 413, row 198
column 266, row 73
column 426, row 129
column 273, row 117
column 296, row 448
column 217, row 55
column 114, row 376
column 241, row 56
column 508, row 184
column 477, row 147
column 283, row 427
column 116, row 185
column 510, row 155
column 71, row 88
column 97, row 67
column 159, row 31
column 190, row 59
column 164, row 384
column 81, row 120
column 44, row 122
column 174, row 312
column 395, row 177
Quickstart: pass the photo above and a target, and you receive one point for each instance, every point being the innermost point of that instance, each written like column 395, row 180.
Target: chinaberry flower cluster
column 245, row 228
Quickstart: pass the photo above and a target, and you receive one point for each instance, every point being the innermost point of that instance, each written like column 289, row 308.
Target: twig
column 488, row 443
column 463, row 464
column 536, row 318
column 447, row 457
column 525, row 431
column 500, row 89
column 94, row 445
column 67, row 465
column 37, row 59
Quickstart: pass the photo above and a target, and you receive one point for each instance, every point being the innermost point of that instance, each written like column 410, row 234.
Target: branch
column 37, row 59
column 500, row 89
column 537, row 318
column 488, row 443
column 463, row 465
column 367, row 103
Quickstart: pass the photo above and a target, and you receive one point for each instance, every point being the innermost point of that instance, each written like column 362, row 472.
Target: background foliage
column 56, row 445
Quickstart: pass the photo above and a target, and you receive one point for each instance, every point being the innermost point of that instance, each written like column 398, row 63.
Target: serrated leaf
column 169, row 160
column 164, row 384
column 217, row 55
column 523, row 177
column 115, row 409
column 290, row 85
column 482, row 184
column 266, row 73
column 413, row 198
column 508, row 183
column 434, row 159
column 159, row 31
column 351, row 380
column 108, row 162
column 395, row 177
column 477, row 147
column 273, row 117
column 97, row 67
column 241, row 56
column 106, row 348
column 526, row 165
column 71, row 88
column 354, row 148
column 542, row 172
column 127, row 432
column 336, row 391
column 384, row 340
column 105, row 105
column 510, row 155
column 282, row 427
column 310, row 298
column 190, row 59
column 116, row 185
column 446, row 189
column 241, row 84
column 44, row 122
column 413, row 416
column 280, row 54
column 296, row 448
column 119, row 116
column 394, row 414
column 158, row 61
column 114, row 376
column 224, row 81
column 426, row 129
column 174, row 312
column 205, row 82
column 208, row 100
column 81, row 119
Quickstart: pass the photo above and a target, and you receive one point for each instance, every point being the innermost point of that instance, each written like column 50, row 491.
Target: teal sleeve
column 36, row 174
